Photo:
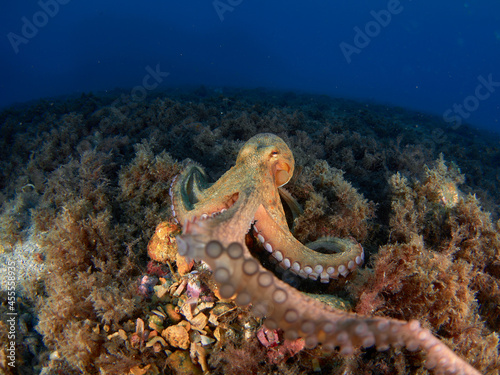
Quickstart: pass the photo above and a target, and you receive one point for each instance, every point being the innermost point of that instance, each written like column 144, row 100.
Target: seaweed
column 245, row 357
column 332, row 206
column 442, row 247
column 90, row 185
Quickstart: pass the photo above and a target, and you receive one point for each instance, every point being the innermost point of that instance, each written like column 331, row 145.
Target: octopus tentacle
column 238, row 274
column 302, row 260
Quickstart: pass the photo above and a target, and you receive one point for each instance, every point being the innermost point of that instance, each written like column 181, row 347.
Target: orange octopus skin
column 216, row 218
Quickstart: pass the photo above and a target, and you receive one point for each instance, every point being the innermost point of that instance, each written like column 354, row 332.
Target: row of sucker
column 171, row 193
column 240, row 276
column 313, row 271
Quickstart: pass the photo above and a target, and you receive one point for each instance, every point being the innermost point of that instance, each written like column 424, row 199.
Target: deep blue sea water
column 440, row 57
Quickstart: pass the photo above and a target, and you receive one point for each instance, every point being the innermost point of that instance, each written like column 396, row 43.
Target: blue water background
column 430, row 55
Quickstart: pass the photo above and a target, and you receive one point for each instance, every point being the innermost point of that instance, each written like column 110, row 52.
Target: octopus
column 248, row 199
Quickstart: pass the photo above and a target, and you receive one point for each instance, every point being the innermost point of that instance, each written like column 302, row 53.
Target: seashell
column 113, row 335
column 161, row 290
column 156, row 339
column 159, row 312
column 139, row 327
column 268, row 337
column 219, row 333
column 250, row 327
column 155, row 319
column 200, row 353
column 194, row 289
column 316, row 365
column 199, row 322
column 180, row 288
column 205, row 340
column 203, row 306
column 122, row 334
column 136, row 370
column 186, row 310
column 219, row 310
column 55, row 355
column 212, row 319
column 172, row 313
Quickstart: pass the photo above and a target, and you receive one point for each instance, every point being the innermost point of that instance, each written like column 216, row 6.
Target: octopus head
column 268, row 152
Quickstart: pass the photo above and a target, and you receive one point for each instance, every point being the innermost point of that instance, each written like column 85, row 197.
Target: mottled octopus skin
column 216, row 218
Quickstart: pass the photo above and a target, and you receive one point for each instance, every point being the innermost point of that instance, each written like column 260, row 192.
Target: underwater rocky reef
column 101, row 289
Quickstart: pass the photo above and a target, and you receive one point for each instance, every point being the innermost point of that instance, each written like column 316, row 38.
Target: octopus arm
column 303, row 260
column 239, row 275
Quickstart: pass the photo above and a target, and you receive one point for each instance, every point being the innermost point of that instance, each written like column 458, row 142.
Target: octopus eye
column 273, row 153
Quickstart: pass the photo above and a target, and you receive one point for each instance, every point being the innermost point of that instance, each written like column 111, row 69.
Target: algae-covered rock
column 180, row 362
column 163, row 246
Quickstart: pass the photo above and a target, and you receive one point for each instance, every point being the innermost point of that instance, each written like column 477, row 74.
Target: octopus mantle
column 217, row 217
